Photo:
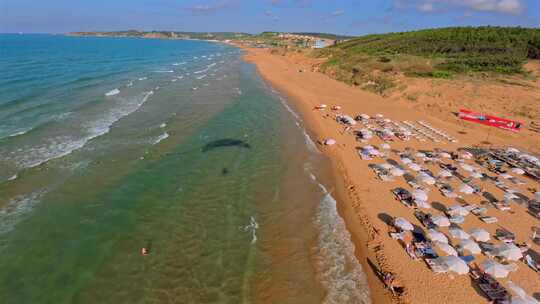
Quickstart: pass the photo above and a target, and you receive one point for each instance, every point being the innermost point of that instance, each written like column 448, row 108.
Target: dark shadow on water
column 225, row 171
column 224, row 143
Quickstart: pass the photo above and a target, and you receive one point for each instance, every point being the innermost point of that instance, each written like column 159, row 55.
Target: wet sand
column 364, row 202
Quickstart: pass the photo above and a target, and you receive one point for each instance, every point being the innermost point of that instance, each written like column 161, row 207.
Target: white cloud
column 338, row 13
column 426, row 7
column 494, row 6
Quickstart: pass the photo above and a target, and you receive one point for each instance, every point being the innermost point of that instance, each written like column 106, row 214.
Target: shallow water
column 214, row 175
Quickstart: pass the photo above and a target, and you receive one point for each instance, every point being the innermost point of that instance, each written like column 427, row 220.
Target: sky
column 349, row 17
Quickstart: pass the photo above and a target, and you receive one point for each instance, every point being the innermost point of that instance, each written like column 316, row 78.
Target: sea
column 109, row 145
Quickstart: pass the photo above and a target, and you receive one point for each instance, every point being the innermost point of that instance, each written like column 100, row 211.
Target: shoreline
column 362, row 201
column 346, row 202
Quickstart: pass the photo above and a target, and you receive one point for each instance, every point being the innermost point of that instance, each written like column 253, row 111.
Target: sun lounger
column 492, row 289
column 504, row 235
column 479, row 211
column 425, row 219
column 488, row 219
column 404, row 196
column 411, row 252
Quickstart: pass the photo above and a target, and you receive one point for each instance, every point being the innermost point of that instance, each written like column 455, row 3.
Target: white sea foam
column 201, row 77
column 174, row 80
column 18, row 133
column 14, row 177
column 163, row 125
column 252, row 227
column 16, row 210
column 163, row 71
column 161, row 138
column 143, row 78
column 129, row 84
column 60, row 146
column 112, row 92
column 337, row 267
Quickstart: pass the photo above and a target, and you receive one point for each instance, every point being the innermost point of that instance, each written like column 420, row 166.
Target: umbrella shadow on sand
column 438, row 206
column 387, row 219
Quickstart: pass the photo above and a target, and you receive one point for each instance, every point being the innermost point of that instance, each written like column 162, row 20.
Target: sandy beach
column 365, row 202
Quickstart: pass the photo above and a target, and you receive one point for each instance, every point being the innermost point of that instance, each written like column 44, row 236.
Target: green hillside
column 439, row 53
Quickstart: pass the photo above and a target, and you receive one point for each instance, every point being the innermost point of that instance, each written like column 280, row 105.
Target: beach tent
column 470, row 246
column 518, row 171
column 458, row 210
column 445, row 173
column 479, row 234
column 397, row 172
column 454, row 264
column 509, row 252
column 330, row 142
column 464, row 188
column 441, row 221
column 403, row 224
column 459, row 234
column 437, row 236
column 414, row 167
column 495, row 269
column 447, row 249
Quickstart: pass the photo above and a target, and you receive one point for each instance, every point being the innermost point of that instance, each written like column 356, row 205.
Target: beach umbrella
column 464, row 188
column 467, row 167
column 509, row 252
column 441, row 221
column 437, row 236
column 466, row 155
column 456, row 219
column 385, row 146
column 426, row 178
column 379, row 115
column 459, row 234
column 406, row 160
column 403, row 224
column 458, row 210
column 476, row 174
column 508, row 196
column 397, row 172
column 364, row 116
column 521, row 295
column 415, row 167
column 330, row 142
column 454, row 264
column 506, row 176
column 420, row 195
column 518, row 171
column 495, row 269
column 537, row 196
column 387, row 166
column 470, row 246
column 445, row 173
column 422, row 204
column 445, row 155
column 420, row 154
column 479, row 234
column 512, row 150
column 444, row 247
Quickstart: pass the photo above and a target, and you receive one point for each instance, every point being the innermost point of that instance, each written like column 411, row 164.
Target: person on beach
column 145, row 251
column 389, row 282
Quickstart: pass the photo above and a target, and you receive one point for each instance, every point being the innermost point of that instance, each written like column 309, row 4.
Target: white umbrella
column 445, row 155
column 470, row 246
column 420, row 195
column 518, row 171
column 385, row 146
column 425, row 178
column 467, row 167
column 397, row 172
column 420, row 154
column 480, row 235
column 364, row 116
column 457, row 233
column 464, row 188
column 509, row 252
column 521, row 295
column 506, row 176
column 453, row 263
column 508, row 196
column 495, row 269
column 458, row 210
column 415, row 167
column 437, row 236
column 445, row 173
column 466, row 155
column 512, row 150
column 422, row 204
column 330, row 142
column 476, row 174
column 441, row 221
column 537, row 196
column 387, row 166
column 403, row 224
column 406, row 161
column 444, row 247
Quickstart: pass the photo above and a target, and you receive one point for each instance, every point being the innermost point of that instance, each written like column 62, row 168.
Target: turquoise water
column 111, row 145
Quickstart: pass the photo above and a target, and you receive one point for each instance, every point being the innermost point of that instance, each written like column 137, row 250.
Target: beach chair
column 531, row 263
column 479, row 211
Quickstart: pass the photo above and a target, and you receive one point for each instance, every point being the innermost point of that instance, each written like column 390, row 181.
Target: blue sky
column 353, row 17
